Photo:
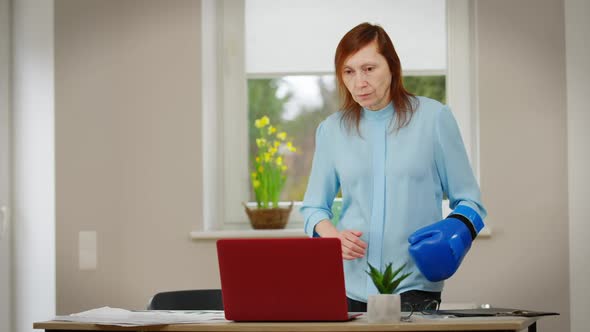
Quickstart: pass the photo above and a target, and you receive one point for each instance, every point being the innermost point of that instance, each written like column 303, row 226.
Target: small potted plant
column 268, row 177
column 385, row 307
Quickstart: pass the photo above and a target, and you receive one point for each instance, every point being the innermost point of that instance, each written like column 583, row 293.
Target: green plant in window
column 270, row 170
column 386, row 282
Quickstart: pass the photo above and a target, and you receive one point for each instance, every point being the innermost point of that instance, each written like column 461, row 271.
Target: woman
column 393, row 156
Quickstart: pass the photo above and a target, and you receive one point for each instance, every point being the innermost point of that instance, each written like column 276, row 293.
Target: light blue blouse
column 392, row 184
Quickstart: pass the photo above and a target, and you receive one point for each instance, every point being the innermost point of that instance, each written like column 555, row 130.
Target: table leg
column 533, row 327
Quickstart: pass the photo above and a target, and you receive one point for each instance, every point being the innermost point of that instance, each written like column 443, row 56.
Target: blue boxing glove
column 438, row 249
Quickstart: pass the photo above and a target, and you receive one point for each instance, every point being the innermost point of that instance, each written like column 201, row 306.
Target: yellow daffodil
column 260, row 142
column 291, row 147
column 269, row 171
column 263, row 121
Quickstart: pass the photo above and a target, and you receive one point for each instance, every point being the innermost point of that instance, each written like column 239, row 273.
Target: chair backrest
column 196, row 299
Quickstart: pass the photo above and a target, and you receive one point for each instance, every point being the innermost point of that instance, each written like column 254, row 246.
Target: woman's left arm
column 438, row 249
column 453, row 165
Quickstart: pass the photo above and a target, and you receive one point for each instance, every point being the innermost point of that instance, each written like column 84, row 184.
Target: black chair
column 196, row 299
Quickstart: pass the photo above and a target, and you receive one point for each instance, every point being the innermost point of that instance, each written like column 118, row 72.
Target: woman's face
column 368, row 78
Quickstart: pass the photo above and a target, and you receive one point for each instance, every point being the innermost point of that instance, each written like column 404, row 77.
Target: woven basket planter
column 273, row 218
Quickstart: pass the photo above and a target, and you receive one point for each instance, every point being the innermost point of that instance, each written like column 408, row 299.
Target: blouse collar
column 382, row 114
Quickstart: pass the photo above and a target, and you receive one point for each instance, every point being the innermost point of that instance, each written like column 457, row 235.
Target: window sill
column 486, row 232
column 251, row 233
column 275, row 233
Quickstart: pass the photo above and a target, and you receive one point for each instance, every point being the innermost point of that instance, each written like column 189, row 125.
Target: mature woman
column 393, row 155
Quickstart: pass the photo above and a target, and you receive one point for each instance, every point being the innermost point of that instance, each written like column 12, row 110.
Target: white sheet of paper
column 123, row 317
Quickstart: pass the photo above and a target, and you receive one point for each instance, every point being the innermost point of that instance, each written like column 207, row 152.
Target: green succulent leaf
column 396, row 282
column 377, row 278
column 386, row 282
column 396, row 272
column 374, row 272
column 388, row 275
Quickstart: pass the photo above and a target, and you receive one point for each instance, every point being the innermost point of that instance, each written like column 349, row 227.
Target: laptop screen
column 299, row 279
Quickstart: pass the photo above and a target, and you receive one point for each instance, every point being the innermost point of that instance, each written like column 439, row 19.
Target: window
column 288, row 75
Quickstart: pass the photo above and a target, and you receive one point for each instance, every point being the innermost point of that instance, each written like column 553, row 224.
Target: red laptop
column 282, row 279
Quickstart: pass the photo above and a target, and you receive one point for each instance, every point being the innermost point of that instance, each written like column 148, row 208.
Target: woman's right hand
column 352, row 245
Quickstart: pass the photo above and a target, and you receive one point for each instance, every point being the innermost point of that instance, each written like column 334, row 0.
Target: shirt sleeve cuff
column 470, row 214
column 313, row 220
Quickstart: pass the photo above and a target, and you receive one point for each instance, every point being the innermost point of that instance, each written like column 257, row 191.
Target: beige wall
column 128, row 155
column 127, row 149
column 522, row 98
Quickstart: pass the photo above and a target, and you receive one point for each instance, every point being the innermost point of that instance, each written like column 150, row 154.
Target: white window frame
column 224, row 109
column 6, row 283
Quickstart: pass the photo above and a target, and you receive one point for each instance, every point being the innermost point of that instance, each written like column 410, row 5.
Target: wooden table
column 358, row 325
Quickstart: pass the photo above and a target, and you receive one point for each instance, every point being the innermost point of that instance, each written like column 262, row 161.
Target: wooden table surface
column 418, row 323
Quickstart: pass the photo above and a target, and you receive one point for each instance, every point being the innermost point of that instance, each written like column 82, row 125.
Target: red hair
column 355, row 39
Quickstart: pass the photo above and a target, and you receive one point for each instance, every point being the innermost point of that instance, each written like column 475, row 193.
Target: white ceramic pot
column 384, row 308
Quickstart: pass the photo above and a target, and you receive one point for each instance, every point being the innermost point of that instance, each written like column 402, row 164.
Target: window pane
column 417, row 28
column 428, row 86
column 297, row 104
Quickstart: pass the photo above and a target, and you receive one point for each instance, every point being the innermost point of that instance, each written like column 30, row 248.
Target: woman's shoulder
column 331, row 122
column 428, row 109
column 335, row 117
column 428, row 105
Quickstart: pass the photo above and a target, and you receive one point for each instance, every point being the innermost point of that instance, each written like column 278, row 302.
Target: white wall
column 33, row 175
column 577, row 28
